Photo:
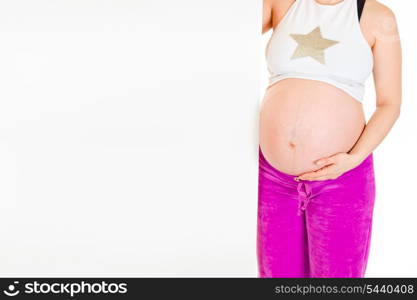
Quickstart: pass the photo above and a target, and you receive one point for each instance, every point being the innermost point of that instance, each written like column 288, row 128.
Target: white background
column 128, row 137
column 128, row 140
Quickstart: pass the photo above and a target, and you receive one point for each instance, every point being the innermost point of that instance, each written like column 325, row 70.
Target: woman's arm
column 387, row 77
column 388, row 84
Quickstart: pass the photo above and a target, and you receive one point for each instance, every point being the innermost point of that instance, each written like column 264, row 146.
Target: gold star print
column 312, row 44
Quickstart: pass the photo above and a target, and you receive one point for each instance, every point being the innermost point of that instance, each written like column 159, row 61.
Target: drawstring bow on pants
column 304, row 193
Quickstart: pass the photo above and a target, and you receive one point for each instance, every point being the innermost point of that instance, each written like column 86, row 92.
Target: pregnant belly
column 303, row 120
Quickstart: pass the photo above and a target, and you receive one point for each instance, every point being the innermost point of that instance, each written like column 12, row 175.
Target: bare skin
column 315, row 131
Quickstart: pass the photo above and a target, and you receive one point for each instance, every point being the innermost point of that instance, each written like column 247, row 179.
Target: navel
column 291, row 144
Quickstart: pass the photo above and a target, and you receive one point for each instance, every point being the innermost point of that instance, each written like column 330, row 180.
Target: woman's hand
column 332, row 167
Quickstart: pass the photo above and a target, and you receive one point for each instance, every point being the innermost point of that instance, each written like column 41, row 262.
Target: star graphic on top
column 312, row 44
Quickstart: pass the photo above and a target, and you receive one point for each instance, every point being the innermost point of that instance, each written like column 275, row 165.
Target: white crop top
column 321, row 42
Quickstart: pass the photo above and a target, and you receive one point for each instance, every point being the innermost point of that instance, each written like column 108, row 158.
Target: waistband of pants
column 265, row 166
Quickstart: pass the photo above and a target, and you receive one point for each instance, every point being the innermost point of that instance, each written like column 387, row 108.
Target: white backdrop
column 128, row 137
column 394, row 239
column 128, row 140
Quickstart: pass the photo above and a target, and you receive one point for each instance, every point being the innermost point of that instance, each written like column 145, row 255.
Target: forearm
column 377, row 128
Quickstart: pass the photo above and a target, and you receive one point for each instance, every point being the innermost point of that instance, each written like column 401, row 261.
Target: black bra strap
column 361, row 4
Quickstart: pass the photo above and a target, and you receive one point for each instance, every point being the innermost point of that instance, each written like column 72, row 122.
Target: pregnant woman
column 316, row 173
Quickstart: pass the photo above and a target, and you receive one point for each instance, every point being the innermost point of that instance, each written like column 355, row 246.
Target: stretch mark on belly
column 293, row 147
column 292, row 144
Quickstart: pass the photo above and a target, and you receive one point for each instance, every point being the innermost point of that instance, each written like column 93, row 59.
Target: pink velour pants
column 314, row 228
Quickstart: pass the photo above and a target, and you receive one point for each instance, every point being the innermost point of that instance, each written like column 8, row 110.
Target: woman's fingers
column 321, row 172
column 325, row 177
column 325, row 171
column 329, row 160
column 323, row 161
column 331, row 169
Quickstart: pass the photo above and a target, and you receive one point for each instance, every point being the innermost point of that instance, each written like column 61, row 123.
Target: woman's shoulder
column 278, row 5
column 377, row 9
column 273, row 11
column 380, row 20
column 280, row 8
column 282, row 4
